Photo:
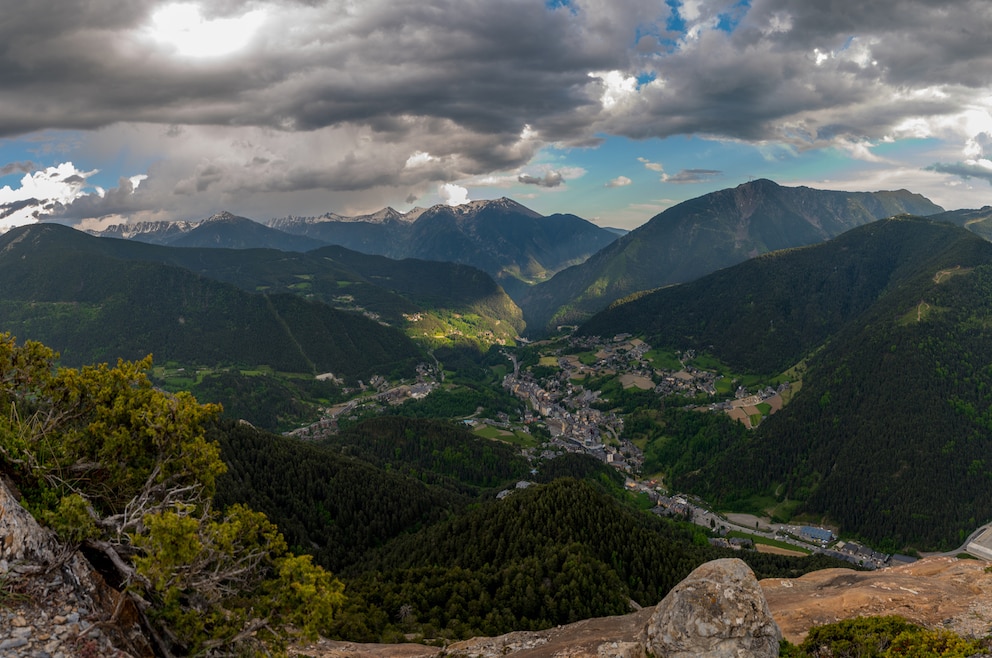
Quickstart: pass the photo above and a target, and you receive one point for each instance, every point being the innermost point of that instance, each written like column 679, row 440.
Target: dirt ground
column 639, row 381
column 748, row 521
column 765, row 548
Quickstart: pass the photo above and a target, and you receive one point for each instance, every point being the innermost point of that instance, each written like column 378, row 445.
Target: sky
column 117, row 111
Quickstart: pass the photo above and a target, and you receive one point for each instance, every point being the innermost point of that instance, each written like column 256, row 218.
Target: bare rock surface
column 605, row 637
column 934, row 592
column 719, row 611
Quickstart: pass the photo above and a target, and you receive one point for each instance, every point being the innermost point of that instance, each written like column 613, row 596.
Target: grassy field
column 663, row 360
column 518, row 438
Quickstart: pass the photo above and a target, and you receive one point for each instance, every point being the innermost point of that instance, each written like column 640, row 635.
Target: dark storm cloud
column 964, row 170
column 809, row 72
column 692, row 176
column 347, row 92
column 119, row 200
column 549, row 179
column 489, row 67
column 8, row 209
column 25, row 167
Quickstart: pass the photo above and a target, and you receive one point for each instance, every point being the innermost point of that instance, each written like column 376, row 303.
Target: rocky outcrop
column 52, row 601
column 943, row 592
column 938, row 592
column 719, row 611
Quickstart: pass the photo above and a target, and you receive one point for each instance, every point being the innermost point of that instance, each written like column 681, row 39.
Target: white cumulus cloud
column 619, row 181
column 40, row 191
column 453, row 195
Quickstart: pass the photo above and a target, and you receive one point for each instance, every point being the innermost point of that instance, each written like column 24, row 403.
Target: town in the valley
column 562, row 413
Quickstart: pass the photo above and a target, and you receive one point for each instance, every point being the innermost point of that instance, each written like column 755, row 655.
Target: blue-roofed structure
column 817, row 534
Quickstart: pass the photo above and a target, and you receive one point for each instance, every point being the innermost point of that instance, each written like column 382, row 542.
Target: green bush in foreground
column 881, row 637
column 124, row 470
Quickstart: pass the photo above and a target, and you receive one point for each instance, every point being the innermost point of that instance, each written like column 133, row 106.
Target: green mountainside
column 435, row 303
column 978, row 221
column 888, row 437
column 703, row 235
column 70, row 291
column 403, row 510
column 455, row 302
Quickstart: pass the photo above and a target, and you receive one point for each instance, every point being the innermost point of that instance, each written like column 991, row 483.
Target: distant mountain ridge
column 514, row 244
column 222, row 230
column 706, row 234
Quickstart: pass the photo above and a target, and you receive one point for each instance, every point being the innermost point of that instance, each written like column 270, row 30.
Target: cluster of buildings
column 574, row 424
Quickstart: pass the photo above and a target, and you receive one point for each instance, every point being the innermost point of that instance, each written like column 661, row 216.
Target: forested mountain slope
column 393, row 291
column 403, row 510
column 888, row 437
column 66, row 289
column 705, row 234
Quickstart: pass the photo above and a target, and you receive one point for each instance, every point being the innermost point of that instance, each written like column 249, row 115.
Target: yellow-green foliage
column 881, row 637
column 71, row 519
column 105, row 459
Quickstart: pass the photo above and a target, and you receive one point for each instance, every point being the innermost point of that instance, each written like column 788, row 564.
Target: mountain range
column 880, row 328
column 703, row 235
column 512, row 243
column 560, row 269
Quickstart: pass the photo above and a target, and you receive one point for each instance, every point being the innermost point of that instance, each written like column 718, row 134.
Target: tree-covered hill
column 431, row 300
column 93, row 306
column 404, row 510
column 889, row 435
column 702, row 235
column 338, row 506
column 432, row 284
column 546, row 555
column 766, row 314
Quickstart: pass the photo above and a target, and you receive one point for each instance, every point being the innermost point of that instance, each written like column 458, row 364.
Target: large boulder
column 718, row 611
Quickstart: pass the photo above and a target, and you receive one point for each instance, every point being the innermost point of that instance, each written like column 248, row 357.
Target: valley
column 564, row 410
